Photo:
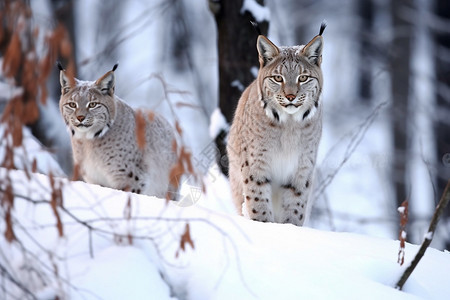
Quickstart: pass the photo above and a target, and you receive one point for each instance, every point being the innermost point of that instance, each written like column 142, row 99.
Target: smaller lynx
column 273, row 141
column 104, row 139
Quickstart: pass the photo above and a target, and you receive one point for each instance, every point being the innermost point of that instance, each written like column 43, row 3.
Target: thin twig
column 428, row 238
column 4, row 272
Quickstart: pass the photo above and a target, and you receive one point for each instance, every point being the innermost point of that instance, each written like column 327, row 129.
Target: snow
column 217, row 123
column 403, row 234
column 232, row 257
column 30, row 151
column 237, row 84
column 259, row 12
column 428, row 235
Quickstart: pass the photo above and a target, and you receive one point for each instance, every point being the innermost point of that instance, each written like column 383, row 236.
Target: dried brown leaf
column 30, row 77
column 34, row 165
column 8, row 160
column 55, row 202
column 9, row 231
column 186, row 157
column 186, row 239
column 175, row 174
column 13, row 56
column 17, row 133
column 30, row 112
column 76, row 172
column 178, row 128
column 65, row 47
column 44, row 93
column 7, row 202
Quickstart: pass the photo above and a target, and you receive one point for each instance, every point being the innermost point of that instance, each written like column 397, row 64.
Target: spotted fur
column 104, row 139
column 274, row 137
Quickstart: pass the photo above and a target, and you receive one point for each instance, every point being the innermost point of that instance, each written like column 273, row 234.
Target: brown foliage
column 178, row 128
column 7, row 202
column 34, row 165
column 182, row 165
column 21, row 64
column 185, row 239
column 13, row 57
column 56, row 201
column 76, row 172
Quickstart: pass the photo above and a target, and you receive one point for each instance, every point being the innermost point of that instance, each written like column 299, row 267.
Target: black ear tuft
column 58, row 64
column 115, row 66
column 322, row 27
column 256, row 26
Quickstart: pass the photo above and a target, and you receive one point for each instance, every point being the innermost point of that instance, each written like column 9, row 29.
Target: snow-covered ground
column 118, row 245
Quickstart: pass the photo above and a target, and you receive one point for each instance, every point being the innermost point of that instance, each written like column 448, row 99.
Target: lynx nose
column 290, row 97
column 80, row 118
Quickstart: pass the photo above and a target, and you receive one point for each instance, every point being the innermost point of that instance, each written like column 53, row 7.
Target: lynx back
column 274, row 137
column 104, row 139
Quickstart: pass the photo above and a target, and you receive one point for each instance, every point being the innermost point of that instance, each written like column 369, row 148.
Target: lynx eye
column 303, row 78
column 72, row 105
column 92, row 104
column 278, row 78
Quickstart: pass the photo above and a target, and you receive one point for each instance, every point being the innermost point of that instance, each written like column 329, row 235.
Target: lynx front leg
column 257, row 198
column 295, row 199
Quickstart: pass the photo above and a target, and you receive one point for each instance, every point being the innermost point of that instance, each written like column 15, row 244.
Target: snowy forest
column 385, row 140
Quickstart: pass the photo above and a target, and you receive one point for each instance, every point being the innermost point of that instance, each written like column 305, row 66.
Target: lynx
column 104, row 139
column 274, row 137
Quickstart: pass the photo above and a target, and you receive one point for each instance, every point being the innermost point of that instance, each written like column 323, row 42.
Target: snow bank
column 118, row 245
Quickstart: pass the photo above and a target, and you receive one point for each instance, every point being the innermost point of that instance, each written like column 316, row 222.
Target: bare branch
column 428, row 237
column 5, row 274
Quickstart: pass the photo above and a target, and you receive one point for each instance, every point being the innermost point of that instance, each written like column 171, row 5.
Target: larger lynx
column 275, row 134
column 104, row 139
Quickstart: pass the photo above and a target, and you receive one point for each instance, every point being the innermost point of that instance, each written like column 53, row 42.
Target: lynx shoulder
column 275, row 134
column 104, row 139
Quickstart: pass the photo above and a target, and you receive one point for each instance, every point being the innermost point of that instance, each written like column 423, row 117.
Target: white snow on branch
column 259, row 12
column 237, row 84
column 428, row 235
column 403, row 234
column 218, row 123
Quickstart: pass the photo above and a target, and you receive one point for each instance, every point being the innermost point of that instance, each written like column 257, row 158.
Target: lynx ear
column 313, row 50
column 64, row 80
column 266, row 50
column 106, row 83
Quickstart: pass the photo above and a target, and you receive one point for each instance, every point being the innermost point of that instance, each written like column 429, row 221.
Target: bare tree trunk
column 365, row 11
column 400, row 81
column 237, row 55
column 64, row 14
column 442, row 122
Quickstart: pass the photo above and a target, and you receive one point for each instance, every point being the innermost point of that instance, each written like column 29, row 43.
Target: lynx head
column 290, row 78
column 88, row 107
